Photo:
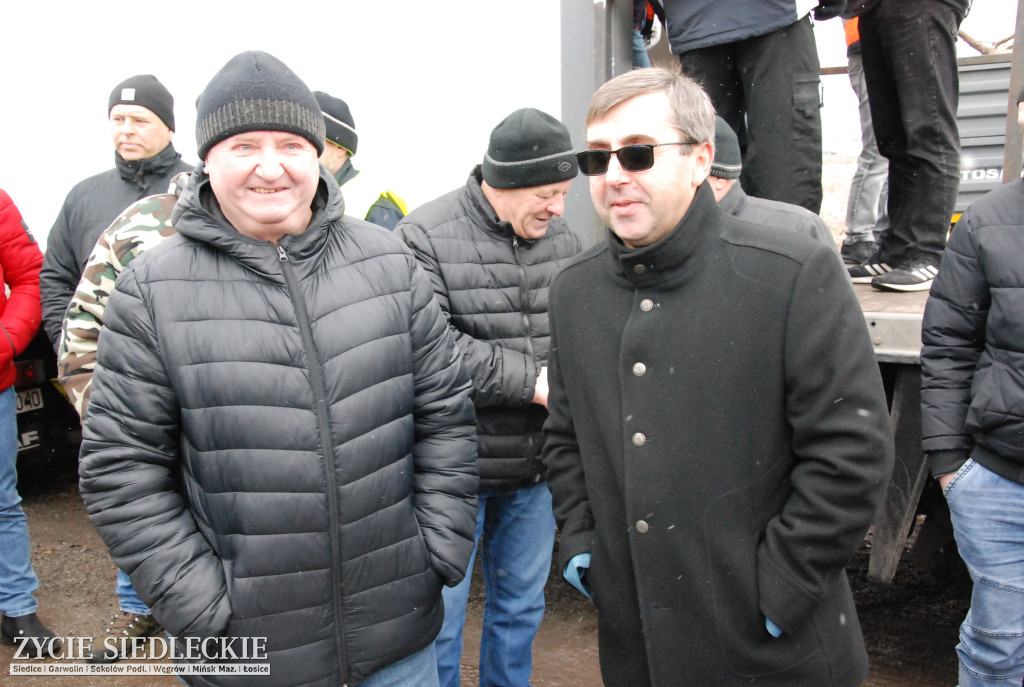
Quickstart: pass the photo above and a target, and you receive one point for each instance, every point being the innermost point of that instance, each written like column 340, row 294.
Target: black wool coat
column 718, row 440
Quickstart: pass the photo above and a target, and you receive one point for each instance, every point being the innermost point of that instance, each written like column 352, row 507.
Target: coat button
column 639, row 269
column 642, row 527
column 639, row 369
column 639, row 439
column 647, row 305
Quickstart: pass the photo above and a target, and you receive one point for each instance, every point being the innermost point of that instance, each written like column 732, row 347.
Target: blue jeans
column 418, row 670
column 129, row 598
column 867, row 214
column 517, row 531
column 17, row 579
column 640, row 56
column 988, row 522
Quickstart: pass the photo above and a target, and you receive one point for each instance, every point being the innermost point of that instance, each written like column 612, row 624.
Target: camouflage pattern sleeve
column 141, row 226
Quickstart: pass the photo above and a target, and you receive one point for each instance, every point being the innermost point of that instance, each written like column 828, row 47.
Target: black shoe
column 869, row 269
column 137, row 628
column 15, row 632
column 917, row 276
column 858, row 253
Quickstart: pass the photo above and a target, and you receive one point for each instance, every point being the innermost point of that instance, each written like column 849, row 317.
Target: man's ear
column 704, row 155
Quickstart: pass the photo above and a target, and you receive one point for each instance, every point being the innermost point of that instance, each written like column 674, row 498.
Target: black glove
column 827, row 9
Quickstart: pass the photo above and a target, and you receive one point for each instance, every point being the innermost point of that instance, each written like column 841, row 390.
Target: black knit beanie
column 1020, row 96
column 727, row 164
column 341, row 128
column 255, row 91
column 529, row 148
column 145, row 91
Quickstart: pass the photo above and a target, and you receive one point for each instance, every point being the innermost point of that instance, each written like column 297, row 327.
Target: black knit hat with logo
column 727, row 164
column 145, row 91
column 255, row 91
column 341, row 128
column 529, row 148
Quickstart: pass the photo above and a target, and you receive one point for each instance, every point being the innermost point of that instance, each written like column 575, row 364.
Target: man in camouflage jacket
column 141, row 226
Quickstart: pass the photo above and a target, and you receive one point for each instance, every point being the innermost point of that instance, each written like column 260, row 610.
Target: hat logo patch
column 564, row 166
column 127, row 94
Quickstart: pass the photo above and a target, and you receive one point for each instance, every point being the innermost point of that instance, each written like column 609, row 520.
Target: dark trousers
column 766, row 88
column 908, row 48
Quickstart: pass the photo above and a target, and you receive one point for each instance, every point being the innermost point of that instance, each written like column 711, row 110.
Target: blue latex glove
column 576, row 570
column 773, row 629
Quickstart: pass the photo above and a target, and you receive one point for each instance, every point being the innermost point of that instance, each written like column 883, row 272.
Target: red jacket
column 20, row 312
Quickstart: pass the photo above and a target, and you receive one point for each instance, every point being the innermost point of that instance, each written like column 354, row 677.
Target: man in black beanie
column 340, row 144
column 141, row 113
column 725, row 182
column 279, row 446
column 492, row 249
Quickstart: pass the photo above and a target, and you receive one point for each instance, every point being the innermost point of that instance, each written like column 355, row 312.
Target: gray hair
column 692, row 110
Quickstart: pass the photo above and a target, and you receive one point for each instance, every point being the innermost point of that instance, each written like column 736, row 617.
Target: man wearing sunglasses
column 492, row 249
column 717, row 439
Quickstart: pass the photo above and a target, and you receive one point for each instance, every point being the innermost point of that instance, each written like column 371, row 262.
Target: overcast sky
column 426, row 81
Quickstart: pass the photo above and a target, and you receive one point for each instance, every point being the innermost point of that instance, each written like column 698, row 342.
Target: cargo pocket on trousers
column 806, row 106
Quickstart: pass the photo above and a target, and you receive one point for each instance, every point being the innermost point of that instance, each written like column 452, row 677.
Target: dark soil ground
column 910, row 625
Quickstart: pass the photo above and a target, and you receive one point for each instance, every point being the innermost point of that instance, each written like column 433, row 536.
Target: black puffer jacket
column 89, row 208
column 972, row 362
column 280, row 442
column 493, row 286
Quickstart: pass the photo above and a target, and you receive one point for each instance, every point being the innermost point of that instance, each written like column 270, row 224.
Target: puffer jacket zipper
column 524, row 310
column 320, row 401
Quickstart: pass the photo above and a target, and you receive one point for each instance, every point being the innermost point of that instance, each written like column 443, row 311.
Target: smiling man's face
column 642, row 207
column 265, row 182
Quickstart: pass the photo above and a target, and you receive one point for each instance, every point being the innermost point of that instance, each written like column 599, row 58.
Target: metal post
column 597, row 44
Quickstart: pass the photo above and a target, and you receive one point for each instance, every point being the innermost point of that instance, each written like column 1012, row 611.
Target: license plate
column 29, row 399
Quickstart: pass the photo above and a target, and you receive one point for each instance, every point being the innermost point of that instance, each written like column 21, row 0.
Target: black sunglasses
column 634, row 158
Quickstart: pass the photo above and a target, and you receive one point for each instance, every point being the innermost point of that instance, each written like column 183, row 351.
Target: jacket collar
column 199, row 217
column 677, row 254
column 136, row 171
column 482, row 214
column 346, row 173
column 734, row 200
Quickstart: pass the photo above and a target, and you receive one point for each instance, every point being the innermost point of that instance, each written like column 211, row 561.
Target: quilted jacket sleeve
column 502, row 377
column 129, row 477
column 953, row 334
column 445, row 442
column 20, row 259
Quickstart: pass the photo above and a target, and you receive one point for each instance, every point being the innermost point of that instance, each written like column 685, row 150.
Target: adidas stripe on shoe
column 916, row 277
column 864, row 273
